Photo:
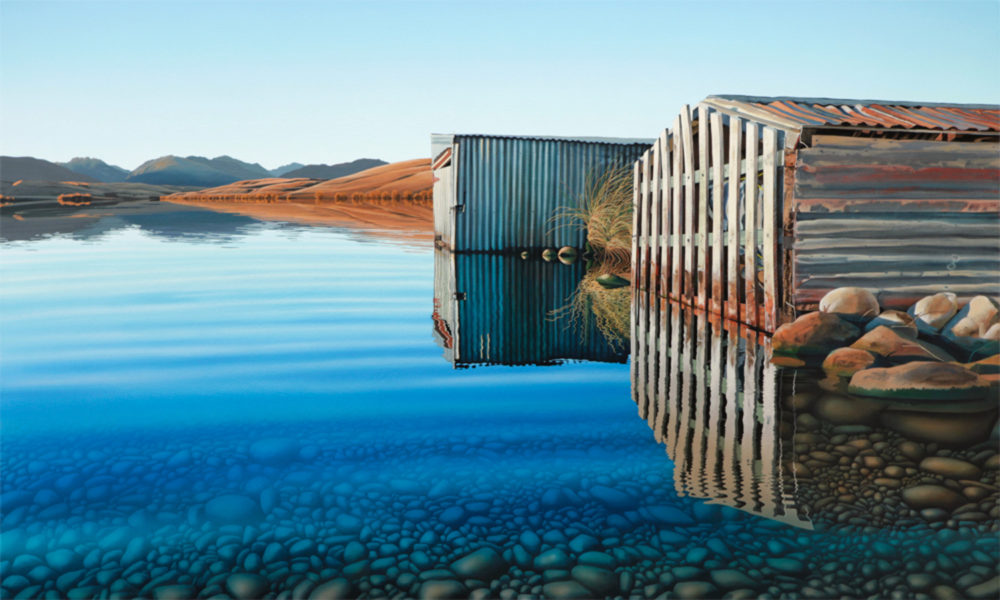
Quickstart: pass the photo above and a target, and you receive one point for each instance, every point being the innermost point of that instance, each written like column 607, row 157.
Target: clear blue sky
column 275, row 82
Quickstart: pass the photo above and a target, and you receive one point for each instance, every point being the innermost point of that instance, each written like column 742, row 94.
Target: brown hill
column 392, row 200
column 407, row 180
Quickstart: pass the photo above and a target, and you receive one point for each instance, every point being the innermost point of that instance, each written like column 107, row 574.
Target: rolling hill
column 16, row 168
column 407, row 180
column 195, row 171
column 96, row 168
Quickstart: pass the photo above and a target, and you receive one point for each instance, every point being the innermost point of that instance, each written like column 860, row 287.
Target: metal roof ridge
column 848, row 101
column 560, row 138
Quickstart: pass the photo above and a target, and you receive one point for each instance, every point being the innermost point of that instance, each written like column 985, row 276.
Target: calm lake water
column 272, row 410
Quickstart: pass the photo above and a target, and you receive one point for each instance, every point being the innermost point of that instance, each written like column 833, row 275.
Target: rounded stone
column 896, row 320
column 852, row 302
column 275, row 450
column 335, row 589
column 890, row 345
column 950, row 467
column 552, row 559
column 935, row 311
column 932, row 496
column 484, row 564
column 611, row 281
column 566, row 589
column 920, row 381
column 844, row 362
column 567, row 255
column 813, row 335
column 602, row 582
column 232, row 508
column 731, row 579
column 549, row 254
column 246, row 586
column 847, row 410
column 440, row 589
column 695, row 589
column 950, row 429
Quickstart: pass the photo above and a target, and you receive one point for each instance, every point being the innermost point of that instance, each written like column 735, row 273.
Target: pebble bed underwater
column 264, row 412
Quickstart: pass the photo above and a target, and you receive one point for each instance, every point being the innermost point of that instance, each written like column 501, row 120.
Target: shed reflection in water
column 496, row 309
column 787, row 445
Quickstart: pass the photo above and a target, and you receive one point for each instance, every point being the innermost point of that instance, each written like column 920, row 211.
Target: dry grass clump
column 607, row 309
column 604, row 211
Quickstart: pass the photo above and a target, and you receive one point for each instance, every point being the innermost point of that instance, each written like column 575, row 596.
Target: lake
column 257, row 409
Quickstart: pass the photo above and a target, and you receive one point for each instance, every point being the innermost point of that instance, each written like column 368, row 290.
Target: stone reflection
column 793, row 446
column 497, row 309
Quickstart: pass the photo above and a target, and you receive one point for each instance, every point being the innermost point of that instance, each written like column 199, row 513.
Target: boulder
column 897, row 320
column 941, row 428
column 993, row 333
column 845, row 362
column 932, row 496
column 920, row 381
column 813, row 335
column 984, row 311
column 935, row 311
column 888, row 344
column 852, row 303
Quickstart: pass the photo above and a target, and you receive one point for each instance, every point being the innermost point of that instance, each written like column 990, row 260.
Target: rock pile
column 934, row 351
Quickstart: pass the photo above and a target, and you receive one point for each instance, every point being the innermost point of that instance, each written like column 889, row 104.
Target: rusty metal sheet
column 829, row 112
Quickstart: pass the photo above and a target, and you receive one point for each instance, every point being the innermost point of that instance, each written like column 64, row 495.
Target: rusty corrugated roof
column 798, row 113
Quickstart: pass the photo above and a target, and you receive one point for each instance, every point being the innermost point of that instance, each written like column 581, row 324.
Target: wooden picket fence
column 706, row 221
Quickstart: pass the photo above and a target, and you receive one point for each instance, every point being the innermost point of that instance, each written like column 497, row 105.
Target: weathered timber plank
column 634, row 317
column 676, row 257
column 687, row 181
column 715, row 121
column 750, row 248
column 702, row 231
column 769, row 213
column 652, row 298
column 733, row 221
column 666, row 215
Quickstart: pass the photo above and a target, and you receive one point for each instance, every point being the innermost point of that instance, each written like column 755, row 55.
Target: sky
column 328, row 82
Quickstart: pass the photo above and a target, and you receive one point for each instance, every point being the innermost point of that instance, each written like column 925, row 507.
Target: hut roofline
column 797, row 114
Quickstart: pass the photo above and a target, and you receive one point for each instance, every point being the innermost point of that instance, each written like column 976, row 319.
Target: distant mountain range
column 334, row 171
column 170, row 170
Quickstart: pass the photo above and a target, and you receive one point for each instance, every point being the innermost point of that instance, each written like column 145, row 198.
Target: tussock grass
column 607, row 309
column 604, row 211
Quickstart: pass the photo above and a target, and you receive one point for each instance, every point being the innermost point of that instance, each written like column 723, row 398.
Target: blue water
column 267, row 413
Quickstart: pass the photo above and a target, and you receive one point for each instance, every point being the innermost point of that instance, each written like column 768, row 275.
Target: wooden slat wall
column 708, row 256
column 903, row 218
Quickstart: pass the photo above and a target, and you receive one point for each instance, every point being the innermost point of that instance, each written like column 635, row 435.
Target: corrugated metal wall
column 906, row 218
column 504, row 314
column 507, row 188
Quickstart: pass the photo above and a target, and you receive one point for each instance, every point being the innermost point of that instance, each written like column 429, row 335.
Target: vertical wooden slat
column 718, row 210
column 652, row 297
column 769, row 212
column 750, row 251
column 733, row 220
column 703, row 136
column 685, row 466
column 729, row 461
column 665, row 165
column 634, row 325
column 640, row 296
column 705, row 447
column 786, row 229
column 689, row 208
column 676, row 287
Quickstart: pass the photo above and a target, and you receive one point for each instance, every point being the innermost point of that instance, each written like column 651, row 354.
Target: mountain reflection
column 494, row 309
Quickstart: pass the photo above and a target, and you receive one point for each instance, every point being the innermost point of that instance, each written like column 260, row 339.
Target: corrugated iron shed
column 499, row 193
column 801, row 113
